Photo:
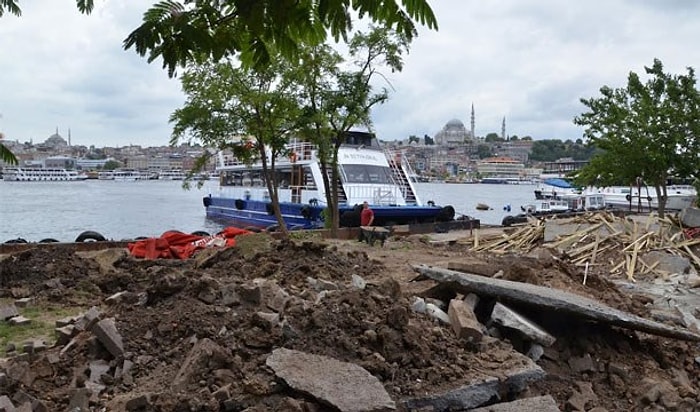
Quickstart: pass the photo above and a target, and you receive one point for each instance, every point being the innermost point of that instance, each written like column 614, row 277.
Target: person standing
column 367, row 215
column 366, row 219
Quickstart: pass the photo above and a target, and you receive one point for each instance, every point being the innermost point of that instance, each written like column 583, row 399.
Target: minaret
column 473, row 119
column 503, row 129
column 69, row 136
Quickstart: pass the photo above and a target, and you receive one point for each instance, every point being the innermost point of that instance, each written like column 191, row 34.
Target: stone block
column 6, row 404
column 139, row 402
column 23, row 302
column 250, row 293
column 64, row 334
column 582, row 364
column 19, row 321
column 463, row 321
column 106, row 332
column 506, row 317
column 690, row 217
column 540, row 404
column 8, row 312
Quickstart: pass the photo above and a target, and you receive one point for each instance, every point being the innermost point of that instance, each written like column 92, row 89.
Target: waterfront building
column 500, row 167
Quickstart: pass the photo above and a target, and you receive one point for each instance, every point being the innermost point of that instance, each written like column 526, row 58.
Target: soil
column 172, row 304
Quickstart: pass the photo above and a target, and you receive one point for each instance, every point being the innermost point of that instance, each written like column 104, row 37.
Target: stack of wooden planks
column 603, row 239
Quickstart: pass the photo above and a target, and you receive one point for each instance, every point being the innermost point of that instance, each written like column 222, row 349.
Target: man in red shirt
column 366, row 218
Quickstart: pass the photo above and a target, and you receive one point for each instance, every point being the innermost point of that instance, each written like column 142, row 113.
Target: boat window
column 367, row 174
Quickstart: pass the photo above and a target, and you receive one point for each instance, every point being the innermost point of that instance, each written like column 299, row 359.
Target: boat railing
column 375, row 195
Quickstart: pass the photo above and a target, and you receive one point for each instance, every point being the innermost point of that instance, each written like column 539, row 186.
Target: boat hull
column 258, row 214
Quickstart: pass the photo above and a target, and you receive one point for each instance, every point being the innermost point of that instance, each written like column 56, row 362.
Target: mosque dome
column 455, row 124
column 55, row 140
column 453, row 132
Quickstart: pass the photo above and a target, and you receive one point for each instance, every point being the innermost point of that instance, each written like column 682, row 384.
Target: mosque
column 455, row 133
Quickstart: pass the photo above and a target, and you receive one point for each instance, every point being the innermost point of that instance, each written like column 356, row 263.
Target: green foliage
column 493, row 137
column 7, row 156
column 111, row 165
column 645, row 130
column 484, row 151
column 550, row 150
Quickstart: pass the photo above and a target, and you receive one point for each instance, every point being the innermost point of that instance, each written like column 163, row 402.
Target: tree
column 249, row 111
column 187, row 31
column 493, row 137
column 111, row 165
column 338, row 100
column 647, row 131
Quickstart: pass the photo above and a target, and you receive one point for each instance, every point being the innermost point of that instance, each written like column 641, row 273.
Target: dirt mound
column 196, row 334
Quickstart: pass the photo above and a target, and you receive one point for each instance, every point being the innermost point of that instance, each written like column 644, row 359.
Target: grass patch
column 42, row 325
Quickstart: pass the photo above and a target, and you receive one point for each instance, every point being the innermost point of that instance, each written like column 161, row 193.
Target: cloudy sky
column 529, row 61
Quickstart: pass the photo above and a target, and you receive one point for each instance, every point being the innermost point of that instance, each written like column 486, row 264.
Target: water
column 126, row 210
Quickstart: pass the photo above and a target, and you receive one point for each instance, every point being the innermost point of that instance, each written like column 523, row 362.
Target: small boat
column 482, row 206
column 555, row 188
column 27, row 174
column 129, row 175
column 174, row 174
column 367, row 173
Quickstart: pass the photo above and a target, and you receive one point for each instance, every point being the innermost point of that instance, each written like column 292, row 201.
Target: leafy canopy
column 646, row 130
column 186, row 31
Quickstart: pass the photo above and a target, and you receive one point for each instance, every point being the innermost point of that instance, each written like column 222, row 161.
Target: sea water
column 126, row 210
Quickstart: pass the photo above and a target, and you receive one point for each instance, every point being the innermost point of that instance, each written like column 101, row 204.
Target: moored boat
column 643, row 198
column 174, row 174
column 25, row 174
column 367, row 173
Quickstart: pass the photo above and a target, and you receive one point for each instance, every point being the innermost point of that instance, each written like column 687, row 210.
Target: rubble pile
column 309, row 326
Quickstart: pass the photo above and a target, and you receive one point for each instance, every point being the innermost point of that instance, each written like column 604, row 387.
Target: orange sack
column 178, row 245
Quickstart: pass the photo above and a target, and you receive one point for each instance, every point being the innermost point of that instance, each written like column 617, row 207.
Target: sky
column 528, row 61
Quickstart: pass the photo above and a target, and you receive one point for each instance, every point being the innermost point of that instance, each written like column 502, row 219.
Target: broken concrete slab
column 512, row 378
column 537, row 404
column 346, row 386
column 551, row 299
column 475, row 266
column 6, row 404
column 667, row 262
column 508, row 318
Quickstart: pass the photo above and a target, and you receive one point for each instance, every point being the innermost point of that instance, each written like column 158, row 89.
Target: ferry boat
column 367, row 173
column 22, row 174
column 128, row 175
column 105, row 175
column 174, row 174
column 643, row 198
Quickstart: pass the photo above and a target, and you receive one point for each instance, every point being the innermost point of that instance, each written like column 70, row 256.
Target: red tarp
column 178, row 245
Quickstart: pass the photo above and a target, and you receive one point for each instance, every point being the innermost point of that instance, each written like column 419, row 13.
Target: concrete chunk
column 205, row 356
column 8, row 311
column 509, row 318
column 463, row 321
column 106, row 332
column 537, row 404
column 549, row 299
column 6, row 404
column 19, row 321
column 690, row 217
column 346, row 386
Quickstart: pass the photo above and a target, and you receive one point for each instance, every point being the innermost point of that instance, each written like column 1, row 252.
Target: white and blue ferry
column 367, row 173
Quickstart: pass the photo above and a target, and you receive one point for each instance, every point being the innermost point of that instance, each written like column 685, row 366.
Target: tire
column 89, row 235
column 200, row 233
column 240, row 204
column 18, row 240
column 206, row 201
column 48, row 240
column 628, row 198
column 272, row 228
column 447, row 214
column 508, row 221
